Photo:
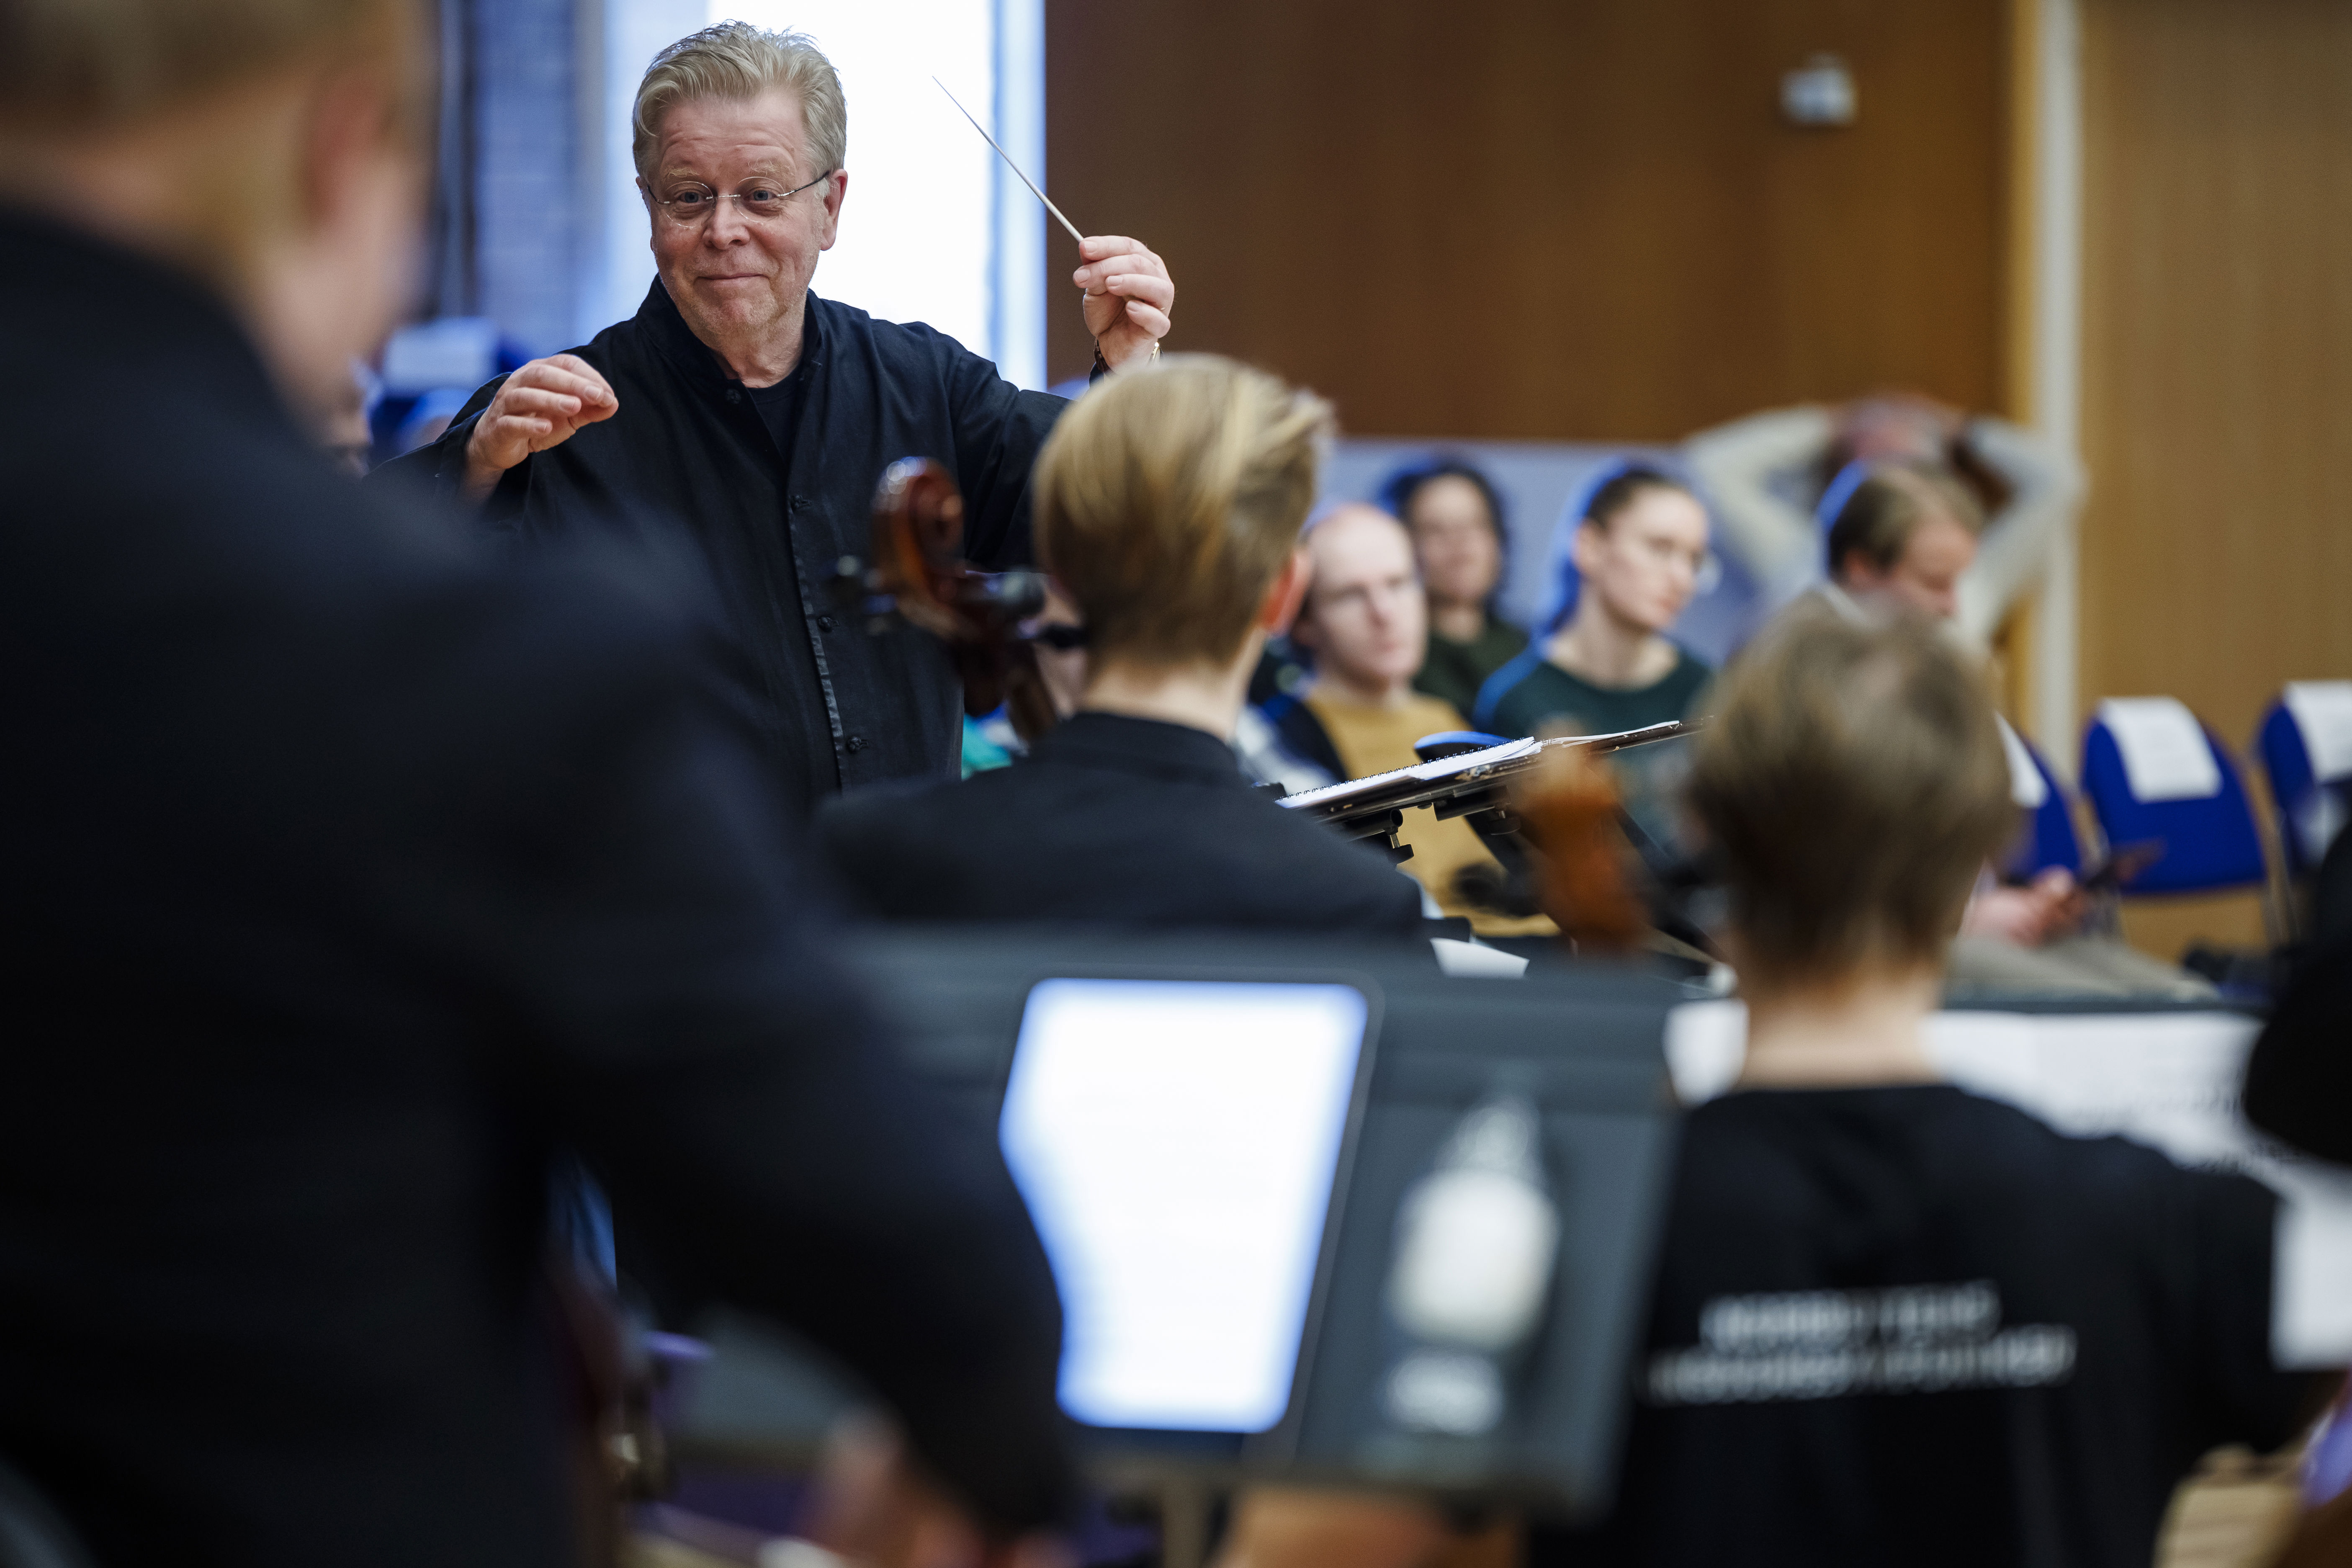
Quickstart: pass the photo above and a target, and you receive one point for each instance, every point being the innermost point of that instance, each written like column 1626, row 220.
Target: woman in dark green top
column 1609, row 665
column 1456, row 521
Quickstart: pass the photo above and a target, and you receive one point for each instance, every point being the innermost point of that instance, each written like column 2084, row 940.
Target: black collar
column 695, row 360
column 1151, row 748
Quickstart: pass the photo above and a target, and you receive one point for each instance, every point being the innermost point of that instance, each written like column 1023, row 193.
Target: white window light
column 930, row 230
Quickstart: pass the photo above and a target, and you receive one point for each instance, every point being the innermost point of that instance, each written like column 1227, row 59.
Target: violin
column 1571, row 818
column 916, row 573
column 1550, row 813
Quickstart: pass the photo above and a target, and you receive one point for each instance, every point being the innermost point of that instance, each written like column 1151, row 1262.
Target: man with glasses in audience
column 754, row 417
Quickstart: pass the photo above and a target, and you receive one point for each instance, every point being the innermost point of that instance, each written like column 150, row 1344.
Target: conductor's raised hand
column 1129, row 297
column 540, row 406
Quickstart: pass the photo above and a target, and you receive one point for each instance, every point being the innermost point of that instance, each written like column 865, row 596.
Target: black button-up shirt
column 1111, row 820
column 689, row 456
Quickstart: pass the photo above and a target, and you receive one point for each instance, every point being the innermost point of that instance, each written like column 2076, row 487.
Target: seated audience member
column 1894, row 1321
column 1901, row 544
column 1610, row 665
column 1767, row 475
column 1456, row 520
column 1902, row 541
column 1167, row 505
column 1365, row 620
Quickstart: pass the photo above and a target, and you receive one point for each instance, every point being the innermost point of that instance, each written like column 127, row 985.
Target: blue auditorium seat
column 2211, row 843
column 2049, row 839
column 2307, row 820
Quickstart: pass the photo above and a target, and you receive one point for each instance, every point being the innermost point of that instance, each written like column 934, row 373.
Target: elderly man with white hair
column 744, row 412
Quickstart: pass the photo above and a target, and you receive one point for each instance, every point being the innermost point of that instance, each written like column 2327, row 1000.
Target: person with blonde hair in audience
column 1895, row 1321
column 1168, row 507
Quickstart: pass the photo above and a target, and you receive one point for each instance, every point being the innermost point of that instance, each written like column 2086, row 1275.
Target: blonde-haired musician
column 1168, row 507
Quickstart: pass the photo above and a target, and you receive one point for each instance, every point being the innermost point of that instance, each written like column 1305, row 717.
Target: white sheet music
column 2323, row 711
column 2164, row 750
column 1424, row 772
column 1176, row 1142
column 2165, row 1079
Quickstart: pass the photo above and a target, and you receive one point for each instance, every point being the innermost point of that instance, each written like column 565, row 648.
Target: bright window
column 928, row 232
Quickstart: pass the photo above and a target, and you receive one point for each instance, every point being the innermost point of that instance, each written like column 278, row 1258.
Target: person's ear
column 1278, row 612
column 1585, row 545
column 836, row 191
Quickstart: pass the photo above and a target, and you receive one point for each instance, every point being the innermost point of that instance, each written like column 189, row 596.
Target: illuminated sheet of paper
column 2167, row 1079
column 1176, row 1142
column 2323, row 711
column 2163, row 747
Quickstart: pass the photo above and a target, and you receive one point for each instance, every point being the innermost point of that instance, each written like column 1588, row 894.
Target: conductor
column 743, row 413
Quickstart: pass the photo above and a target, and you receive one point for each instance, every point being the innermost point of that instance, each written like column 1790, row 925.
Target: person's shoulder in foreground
column 1111, row 820
column 368, row 872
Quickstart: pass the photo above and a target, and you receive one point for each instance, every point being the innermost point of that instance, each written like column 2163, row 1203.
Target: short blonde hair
column 1167, row 500
column 735, row 60
column 71, row 66
column 1852, row 783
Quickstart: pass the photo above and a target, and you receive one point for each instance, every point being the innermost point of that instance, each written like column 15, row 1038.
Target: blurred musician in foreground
column 2299, row 1080
column 748, row 418
column 1169, row 505
column 356, row 876
column 1895, row 1323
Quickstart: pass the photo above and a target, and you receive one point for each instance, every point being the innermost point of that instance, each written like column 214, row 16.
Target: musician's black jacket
column 1111, row 820
column 686, row 453
column 347, row 874
column 2299, row 1079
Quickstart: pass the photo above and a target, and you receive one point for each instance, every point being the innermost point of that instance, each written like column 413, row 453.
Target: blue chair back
column 2302, row 743
column 2210, row 844
column 2048, row 838
column 2286, row 761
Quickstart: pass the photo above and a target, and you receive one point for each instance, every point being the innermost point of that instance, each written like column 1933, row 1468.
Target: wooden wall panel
column 2217, row 418
column 1520, row 218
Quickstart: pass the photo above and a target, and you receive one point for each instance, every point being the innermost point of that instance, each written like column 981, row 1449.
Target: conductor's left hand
column 1128, row 298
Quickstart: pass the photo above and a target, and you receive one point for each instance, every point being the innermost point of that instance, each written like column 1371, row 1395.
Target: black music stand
column 1584, row 1042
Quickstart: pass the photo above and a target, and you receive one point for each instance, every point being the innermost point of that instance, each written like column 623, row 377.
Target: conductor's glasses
column 692, row 208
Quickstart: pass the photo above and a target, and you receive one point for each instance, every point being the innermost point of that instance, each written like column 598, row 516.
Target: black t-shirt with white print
column 1910, row 1325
